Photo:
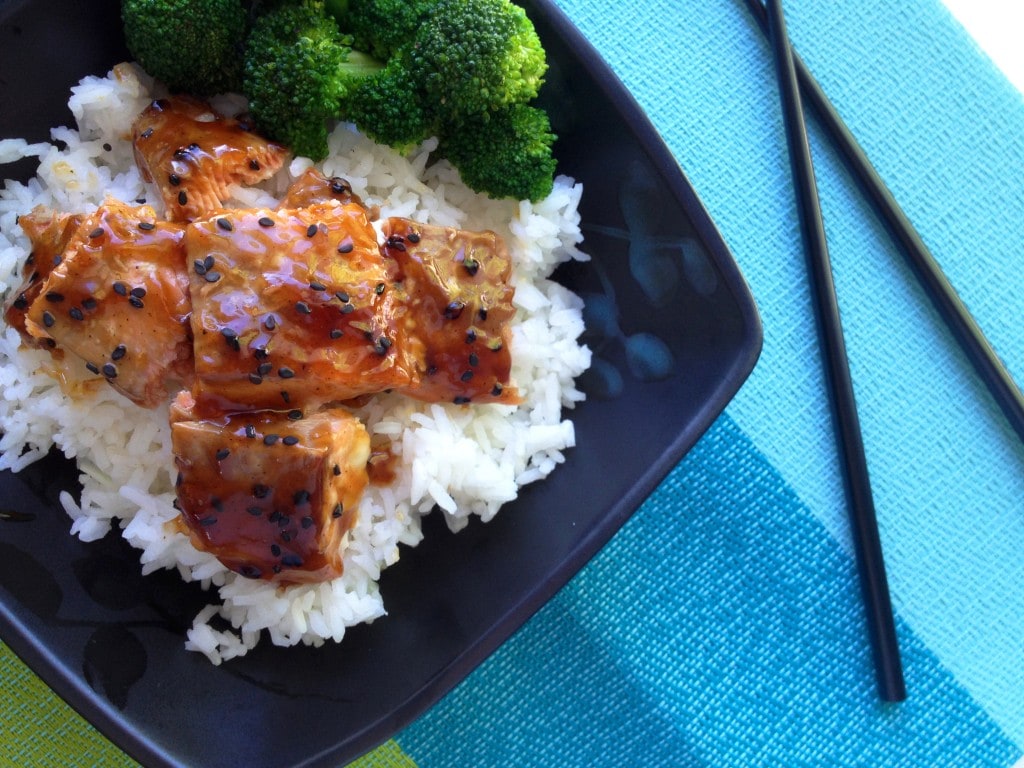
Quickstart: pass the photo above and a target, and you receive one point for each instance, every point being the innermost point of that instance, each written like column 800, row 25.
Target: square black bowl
column 675, row 333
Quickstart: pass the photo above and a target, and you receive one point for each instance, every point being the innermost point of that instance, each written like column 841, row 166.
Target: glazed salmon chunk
column 270, row 494
column 48, row 232
column 194, row 155
column 458, row 300
column 119, row 300
column 291, row 308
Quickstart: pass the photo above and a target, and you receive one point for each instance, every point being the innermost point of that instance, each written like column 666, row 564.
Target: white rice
column 462, row 461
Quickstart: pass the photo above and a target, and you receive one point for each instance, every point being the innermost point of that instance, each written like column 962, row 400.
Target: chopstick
column 940, row 291
column 864, row 523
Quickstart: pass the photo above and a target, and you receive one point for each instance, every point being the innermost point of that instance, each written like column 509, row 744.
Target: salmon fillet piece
column 272, row 495
column 292, row 308
column 194, row 155
column 119, row 300
column 454, row 285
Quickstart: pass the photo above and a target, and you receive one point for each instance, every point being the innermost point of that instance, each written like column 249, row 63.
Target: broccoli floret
column 298, row 69
column 507, row 154
column 475, row 56
column 388, row 107
column 191, row 45
column 380, row 27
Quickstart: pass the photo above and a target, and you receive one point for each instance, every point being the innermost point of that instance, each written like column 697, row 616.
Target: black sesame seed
column 300, row 497
column 270, row 439
column 397, row 242
column 55, row 297
column 208, row 262
column 136, row 302
column 431, row 370
column 290, row 440
column 311, row 230
column 471, row 266
column 21, row 302
column 466, row 375
column 212, row 276
column 216, row 503
column 222, row 454
column 260, row 491
column 286, row 536
column 338, row 510
column 199, row 267
column 270, row 323
column 342, row 297
column 249, row 571
column 285, row 396
column 140, row 200
column 337, row 333
column 76, row 313
column 119, row 351
column 255, row 378
column 482, row 313
column 182, row 198
column 285, row 372
column 48, row 319
column 470, row 336
column 338, row 186
column 175, row 179
column 264, row 368
column 107, row 147
column 303, row 308
column 348, row 309
column 346, row 246
column 265, row 221
column 89, row 303
column 138, row 292
column 92, row 367
column 110, row 370
column 260, row 353
column 337, row 470
column 496, row 390
column 146, row 133
column 295, row 414
column 254, row 511
column 120, row 288
column 461, row 400
column 147, row 226
column 413, row 237
column 250, row 430
column 473, row 359
column 317, row 286
column 57, row 260
column 176, row 505
column 98, row 232
column 379, row 288
column 307, row 521
column 224, row 224
column 454, row 310
column 208, row 521
column 275, row 550
column 274, row 516
column 179, row 480
column 291, row 561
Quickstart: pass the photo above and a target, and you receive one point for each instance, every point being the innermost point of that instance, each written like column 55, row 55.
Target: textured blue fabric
column 721, row 627
column 725, row 616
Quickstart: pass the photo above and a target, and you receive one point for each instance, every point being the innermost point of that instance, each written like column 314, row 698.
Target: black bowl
column 674, row 330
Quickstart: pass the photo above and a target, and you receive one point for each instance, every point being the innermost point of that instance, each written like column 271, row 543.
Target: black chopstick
column 944, row 297
column 864, row 524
